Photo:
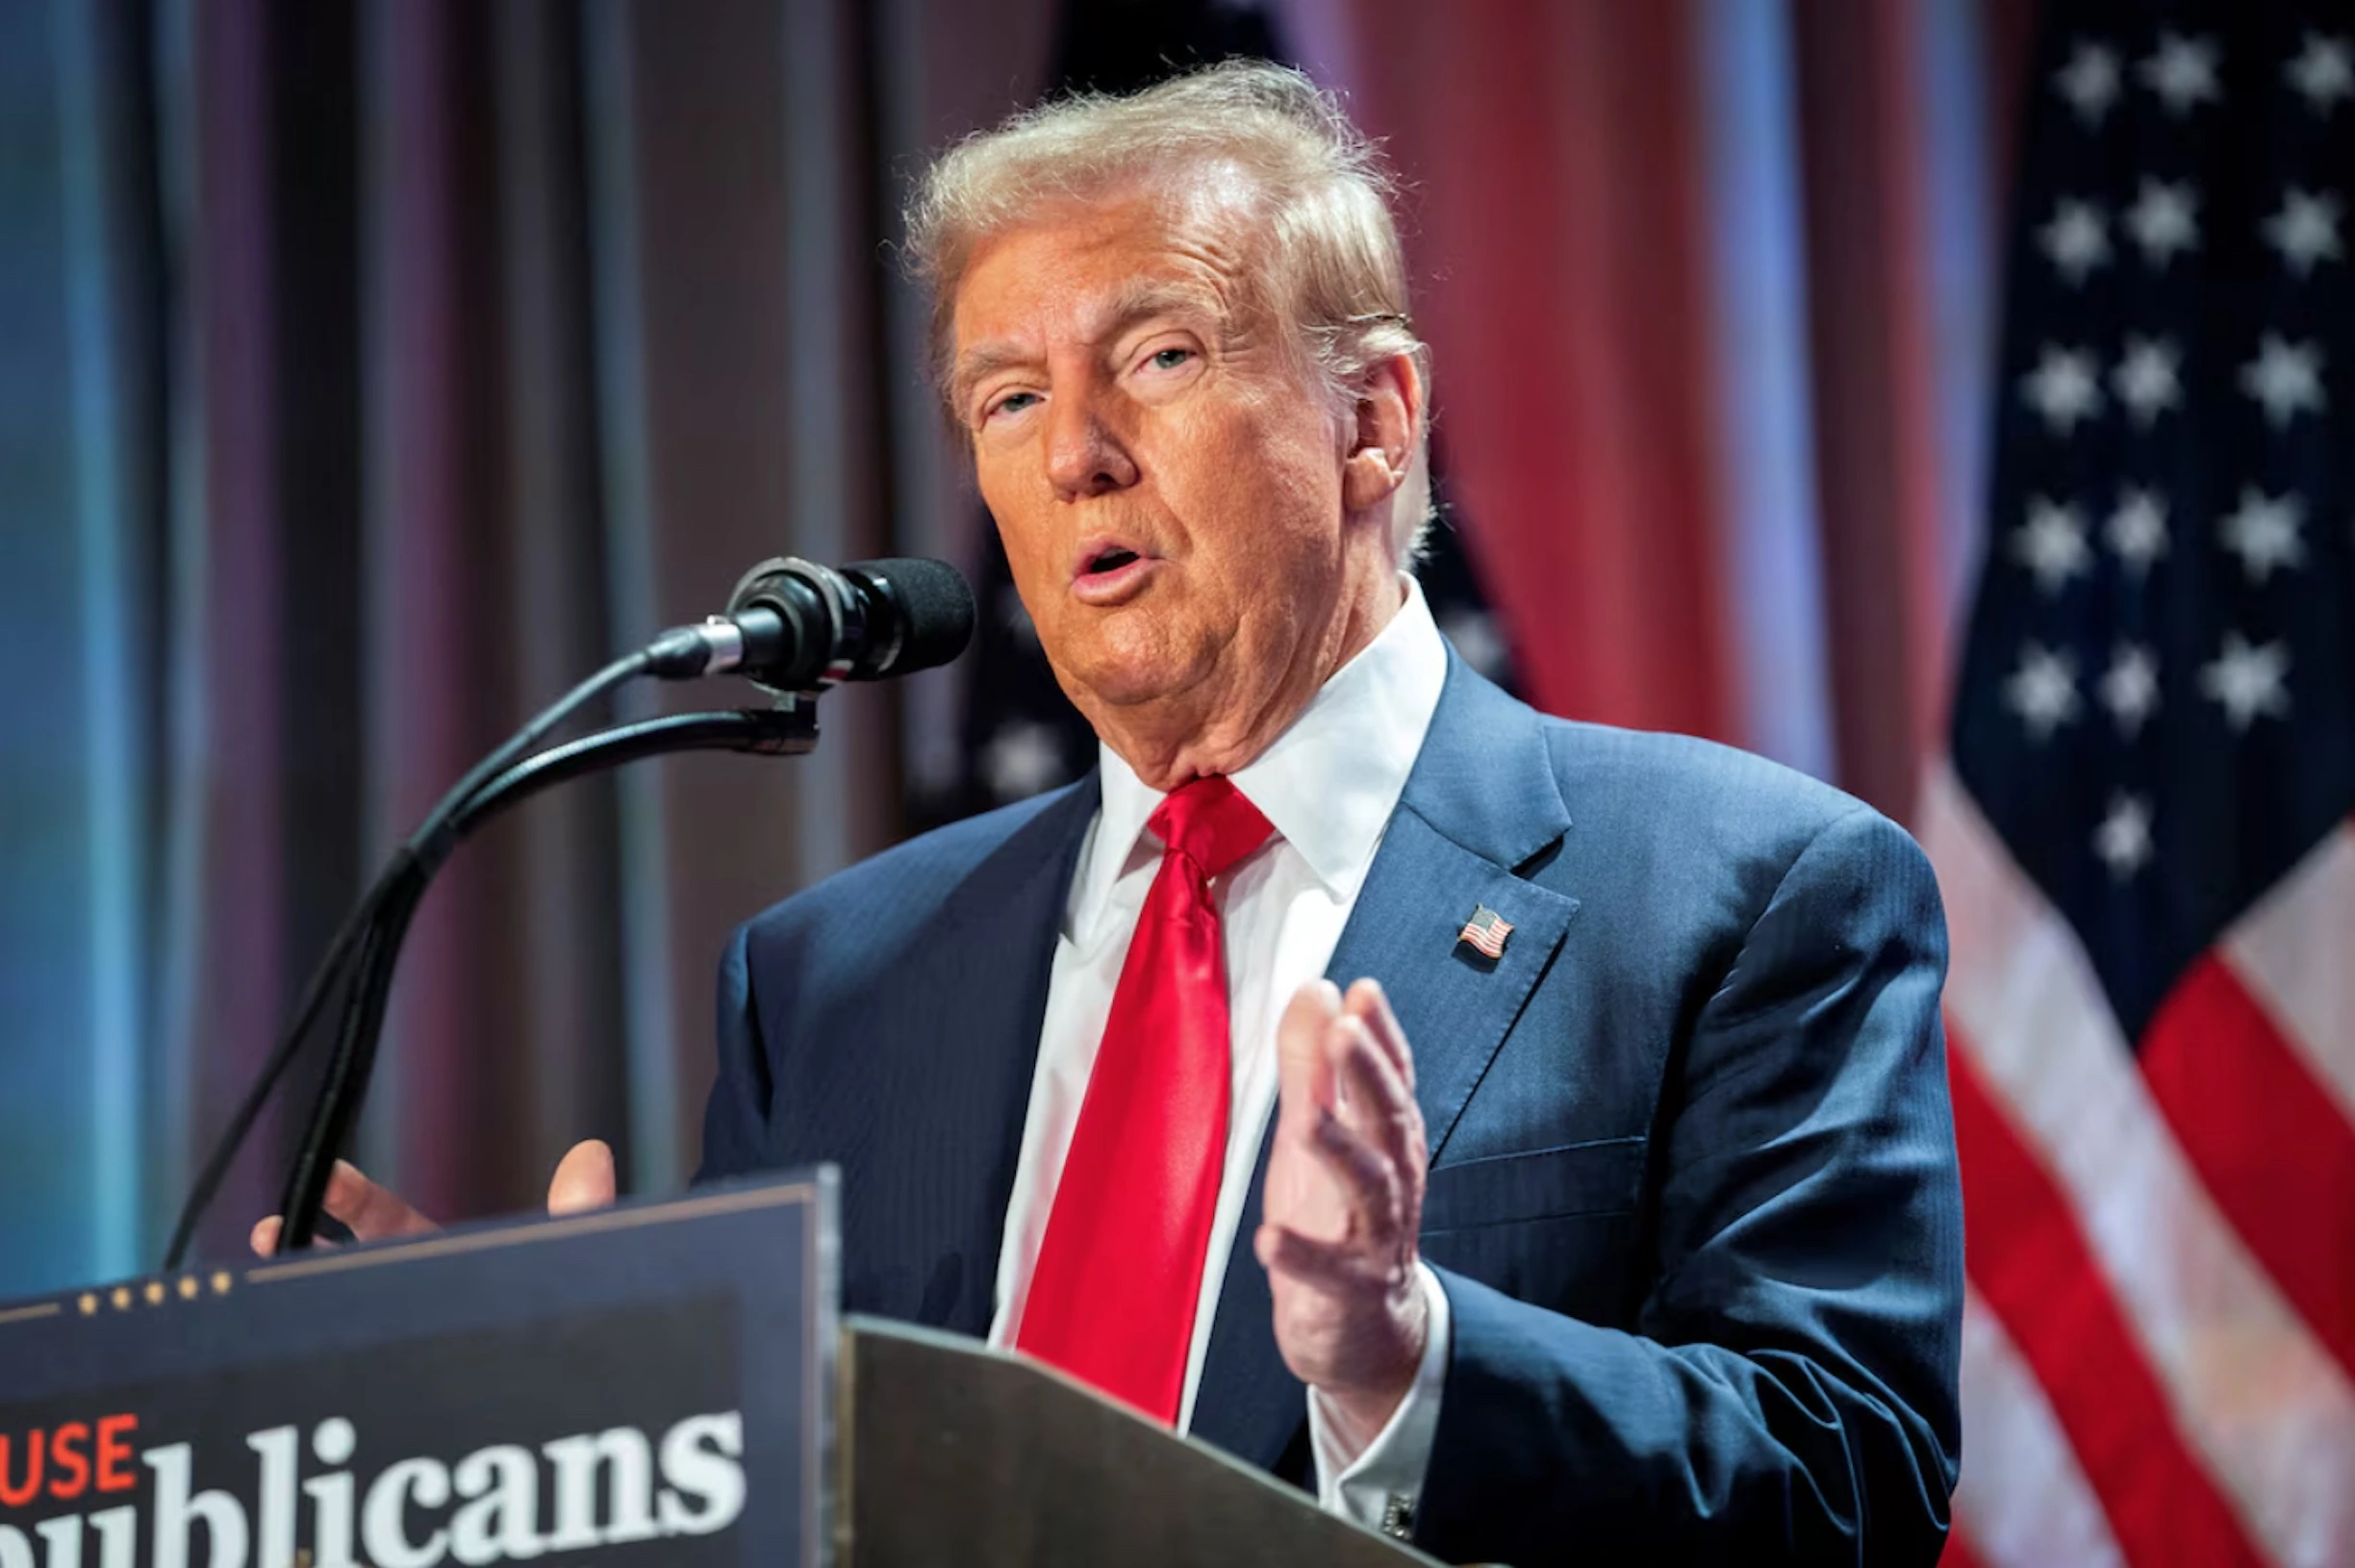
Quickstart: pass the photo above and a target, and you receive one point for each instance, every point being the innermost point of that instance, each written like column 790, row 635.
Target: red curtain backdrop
column 1557, row 229
column 1564, row 235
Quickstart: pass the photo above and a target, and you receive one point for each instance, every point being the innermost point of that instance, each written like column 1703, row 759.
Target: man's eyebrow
column 1138, row 301
column 1147, row 297
column 982, row 361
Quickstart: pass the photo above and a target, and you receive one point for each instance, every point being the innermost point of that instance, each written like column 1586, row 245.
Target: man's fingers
column 584, row 1178
column 1363, row 1171
column 1327, row 1266
column 1379, row 1106
column 1303, row 1072
column 372, row 1212
column 263, row 1239
column 1368, row 1003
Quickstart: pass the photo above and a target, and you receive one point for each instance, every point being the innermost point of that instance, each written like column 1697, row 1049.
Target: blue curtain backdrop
column 78, row 570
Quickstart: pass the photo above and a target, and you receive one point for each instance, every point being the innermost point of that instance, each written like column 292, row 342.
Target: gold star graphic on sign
column 154, row 1293
column 122, row 1298
column 89, row 1302
column 220, row 1281
column 189, row 1287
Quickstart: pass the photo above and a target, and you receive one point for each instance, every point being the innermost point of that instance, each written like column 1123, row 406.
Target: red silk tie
column 1120, row 1270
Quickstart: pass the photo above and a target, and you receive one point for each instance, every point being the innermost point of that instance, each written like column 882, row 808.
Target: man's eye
column 1010, row 403
column 1170, row 359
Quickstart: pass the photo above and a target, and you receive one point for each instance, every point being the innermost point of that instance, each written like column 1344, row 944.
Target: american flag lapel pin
column 1485, row 932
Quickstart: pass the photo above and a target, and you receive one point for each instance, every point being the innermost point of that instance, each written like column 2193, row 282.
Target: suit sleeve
column 1788, row 1393
column 735, row 1118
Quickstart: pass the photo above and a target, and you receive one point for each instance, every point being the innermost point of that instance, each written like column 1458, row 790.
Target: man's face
column 1167, row 478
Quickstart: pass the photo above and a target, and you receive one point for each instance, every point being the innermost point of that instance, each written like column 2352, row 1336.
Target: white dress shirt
column 1328, row 784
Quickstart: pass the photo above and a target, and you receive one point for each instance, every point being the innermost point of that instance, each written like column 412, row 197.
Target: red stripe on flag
column 2029, row 1260
column 2269, row 1144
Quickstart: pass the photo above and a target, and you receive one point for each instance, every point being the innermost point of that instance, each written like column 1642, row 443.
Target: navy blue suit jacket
column 1692, row 1192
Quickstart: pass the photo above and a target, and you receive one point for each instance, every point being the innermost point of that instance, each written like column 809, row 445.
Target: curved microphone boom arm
column 792, row 626
column 786, row 732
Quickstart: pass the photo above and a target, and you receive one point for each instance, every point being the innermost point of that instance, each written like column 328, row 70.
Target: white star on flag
column 2130, row 686
column 2323, row 72
column 2182, row 71
column 2063, row 387
column 2076, row 240
column 2247, row 681
column 2136, row 530
column 2145, row 380
column 2145, row 816
column 2052, row 545
column 2286, row 378
column 2304, row 230
column 2043, row 691
column 2123, row 839
column 2089, row 82
column 2264, row 533
column 1022, row 759
column 2164, row 219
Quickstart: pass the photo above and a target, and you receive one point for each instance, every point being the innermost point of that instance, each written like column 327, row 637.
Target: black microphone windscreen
column 937, row 602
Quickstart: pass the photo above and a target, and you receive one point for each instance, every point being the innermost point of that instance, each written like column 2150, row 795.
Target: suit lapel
column 976, row 1060
column 1454, row 1006
column 1482, row 801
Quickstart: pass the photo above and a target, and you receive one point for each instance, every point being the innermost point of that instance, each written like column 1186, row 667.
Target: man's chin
column 1123, row 691
column 1114, row 685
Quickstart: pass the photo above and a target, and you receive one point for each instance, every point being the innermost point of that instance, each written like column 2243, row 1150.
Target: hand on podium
column 584, row 1179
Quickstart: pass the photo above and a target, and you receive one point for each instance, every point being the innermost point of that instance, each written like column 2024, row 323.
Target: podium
column 1015, row 1464
column 659, row 1383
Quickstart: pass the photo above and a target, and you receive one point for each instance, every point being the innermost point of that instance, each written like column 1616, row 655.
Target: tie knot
column 1208, row 821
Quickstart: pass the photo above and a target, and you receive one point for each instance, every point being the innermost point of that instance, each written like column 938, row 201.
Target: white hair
column 1333, row 270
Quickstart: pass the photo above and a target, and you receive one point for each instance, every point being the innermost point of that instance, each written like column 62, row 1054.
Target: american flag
column 1485, row 931
column 2143, row 833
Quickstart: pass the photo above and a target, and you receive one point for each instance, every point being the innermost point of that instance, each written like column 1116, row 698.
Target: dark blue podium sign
column 648, row 1384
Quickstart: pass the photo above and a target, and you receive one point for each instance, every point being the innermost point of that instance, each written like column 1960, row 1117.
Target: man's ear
column 1386, row 419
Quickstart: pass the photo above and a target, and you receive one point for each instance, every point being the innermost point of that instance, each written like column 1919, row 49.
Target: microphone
column 794, row 626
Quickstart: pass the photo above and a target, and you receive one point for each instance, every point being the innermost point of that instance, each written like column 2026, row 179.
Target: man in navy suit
column 1611, row 1212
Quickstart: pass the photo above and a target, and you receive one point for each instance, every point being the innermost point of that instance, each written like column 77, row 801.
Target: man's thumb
column 584, row 1178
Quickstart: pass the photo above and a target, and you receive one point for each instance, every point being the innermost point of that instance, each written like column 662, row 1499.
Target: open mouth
column 1110, row 573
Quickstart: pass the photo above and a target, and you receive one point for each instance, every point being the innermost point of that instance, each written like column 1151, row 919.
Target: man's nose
column 1085, row 455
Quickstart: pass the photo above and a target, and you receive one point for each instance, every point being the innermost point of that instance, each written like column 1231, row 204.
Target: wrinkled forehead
column 1149, row 224
column 1085, row 270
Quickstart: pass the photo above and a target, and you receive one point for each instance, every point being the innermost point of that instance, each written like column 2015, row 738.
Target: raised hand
column 1344, row 1202
column 584, row 1179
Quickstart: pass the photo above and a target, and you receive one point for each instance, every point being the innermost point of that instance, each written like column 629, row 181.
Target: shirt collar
column 1329, row 783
